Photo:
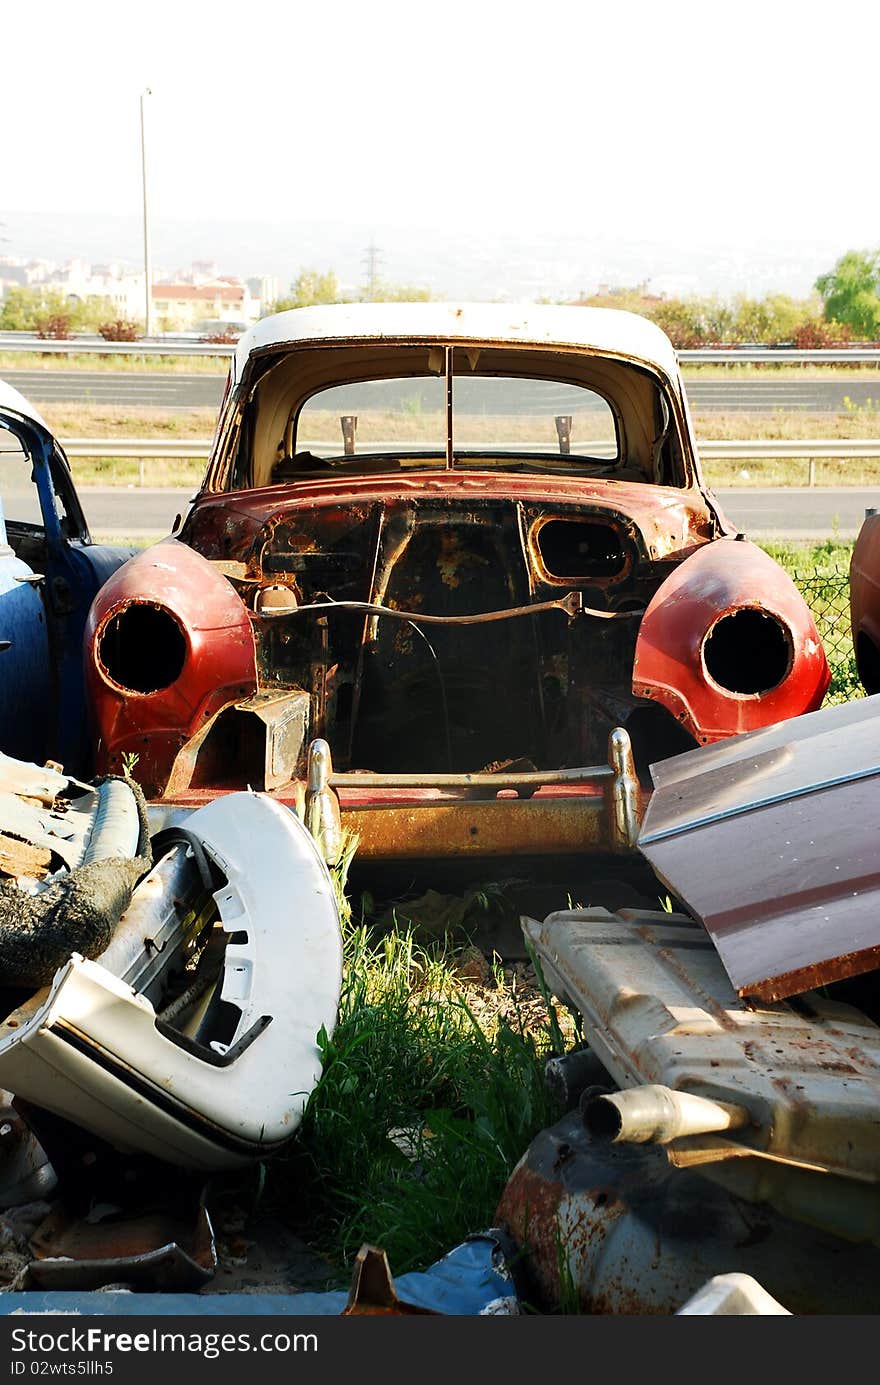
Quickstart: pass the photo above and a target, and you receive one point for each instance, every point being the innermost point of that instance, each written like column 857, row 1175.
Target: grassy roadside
column 432, row 1088
column 218, row 365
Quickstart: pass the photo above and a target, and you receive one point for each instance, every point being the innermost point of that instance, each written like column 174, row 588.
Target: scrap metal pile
column 486, row 628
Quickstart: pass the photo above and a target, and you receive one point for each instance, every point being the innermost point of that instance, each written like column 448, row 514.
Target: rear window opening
column 748, row 652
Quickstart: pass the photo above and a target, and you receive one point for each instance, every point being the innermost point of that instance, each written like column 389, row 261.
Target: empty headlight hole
column 142, row 648
column 747, row 652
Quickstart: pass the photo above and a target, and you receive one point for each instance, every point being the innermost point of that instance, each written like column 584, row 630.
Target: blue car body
column 50, row 572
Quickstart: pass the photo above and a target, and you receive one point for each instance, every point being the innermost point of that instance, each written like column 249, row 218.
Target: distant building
column 266, row 289
column 198, row 298
column 185, row 305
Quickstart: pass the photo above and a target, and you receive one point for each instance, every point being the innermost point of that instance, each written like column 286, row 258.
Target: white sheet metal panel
column 91, row 1050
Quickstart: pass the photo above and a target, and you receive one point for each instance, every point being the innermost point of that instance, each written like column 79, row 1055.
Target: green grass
column 821, row 572
column 409, row 1064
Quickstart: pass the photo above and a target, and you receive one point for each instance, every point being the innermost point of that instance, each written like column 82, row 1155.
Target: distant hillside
column 454, row 262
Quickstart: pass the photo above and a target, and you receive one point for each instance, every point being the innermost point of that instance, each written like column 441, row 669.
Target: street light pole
column 148, row 273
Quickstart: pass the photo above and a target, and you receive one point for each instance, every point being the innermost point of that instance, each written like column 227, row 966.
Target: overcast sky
column 688, row 124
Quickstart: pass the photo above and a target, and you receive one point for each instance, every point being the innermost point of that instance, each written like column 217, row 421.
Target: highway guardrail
column 177, row 346
column 763, row 449
column 809, row 450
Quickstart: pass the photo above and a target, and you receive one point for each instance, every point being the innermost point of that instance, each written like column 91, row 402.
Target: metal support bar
column 522, row 779
column 624, row 789
column 322, row 817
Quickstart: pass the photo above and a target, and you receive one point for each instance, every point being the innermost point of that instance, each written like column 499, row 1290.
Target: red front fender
column 216, row 657
column 683, row 624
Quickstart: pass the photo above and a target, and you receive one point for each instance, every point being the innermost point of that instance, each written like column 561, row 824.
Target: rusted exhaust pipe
column 656, row 1115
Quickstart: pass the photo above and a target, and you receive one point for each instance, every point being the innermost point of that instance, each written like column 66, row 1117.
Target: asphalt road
column 793, row 513
column 160, row 390
column 188, row 391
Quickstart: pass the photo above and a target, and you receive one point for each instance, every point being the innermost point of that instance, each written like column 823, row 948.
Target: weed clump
column 422, row 1109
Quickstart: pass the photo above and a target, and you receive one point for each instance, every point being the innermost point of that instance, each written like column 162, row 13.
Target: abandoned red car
column 444, row 557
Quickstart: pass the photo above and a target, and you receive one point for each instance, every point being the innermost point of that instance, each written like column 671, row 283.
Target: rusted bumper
column 544, row 825
column 408, row 817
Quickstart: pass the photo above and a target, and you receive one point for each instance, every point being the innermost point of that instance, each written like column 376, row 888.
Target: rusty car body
column 864, row 600
column 457, row 548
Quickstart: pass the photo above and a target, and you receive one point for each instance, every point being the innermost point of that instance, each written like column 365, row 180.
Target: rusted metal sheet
column 864, row 600
column 373, row 1293
column 198, row 658
column 659, row 1009
column 400, row 826
column 787, row 817
column 614, row 1229
column 671, row 521
column 155, row 1250
column 499, row 827
column 767, row 674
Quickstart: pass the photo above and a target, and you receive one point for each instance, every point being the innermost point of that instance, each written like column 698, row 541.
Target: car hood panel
column 787, row 818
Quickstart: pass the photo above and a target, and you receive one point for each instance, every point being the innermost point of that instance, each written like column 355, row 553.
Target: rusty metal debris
column 778, row 1103
column 26, row 1172
column 155, row 1250
column 372, row 1291
column 604, row 1228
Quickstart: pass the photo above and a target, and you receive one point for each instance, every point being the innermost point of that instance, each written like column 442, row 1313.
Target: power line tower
column 372, row 260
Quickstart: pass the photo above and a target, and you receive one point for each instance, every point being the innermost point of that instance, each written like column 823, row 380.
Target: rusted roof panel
column 771, row 839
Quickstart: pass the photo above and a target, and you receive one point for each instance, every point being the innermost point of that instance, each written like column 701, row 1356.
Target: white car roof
column 602, row 330
column 11, row 399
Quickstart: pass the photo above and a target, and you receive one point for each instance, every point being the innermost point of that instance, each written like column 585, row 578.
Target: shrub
column 121, row 329
column 55, row 327
column 226, row 338
column 817, row 333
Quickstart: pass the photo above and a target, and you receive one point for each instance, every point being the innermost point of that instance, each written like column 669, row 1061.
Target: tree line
column 844, row 307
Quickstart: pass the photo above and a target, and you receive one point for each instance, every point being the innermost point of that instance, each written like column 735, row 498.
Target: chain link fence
column 827, row 595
